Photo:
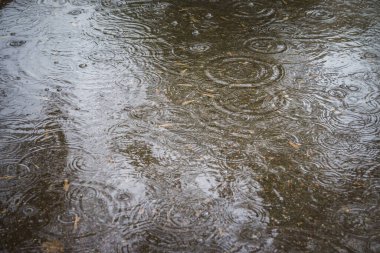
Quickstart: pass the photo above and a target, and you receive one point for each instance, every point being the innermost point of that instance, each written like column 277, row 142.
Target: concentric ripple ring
column 266, row 45
column 243, row 72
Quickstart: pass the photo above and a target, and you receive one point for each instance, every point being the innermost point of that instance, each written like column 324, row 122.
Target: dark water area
column 189, row 126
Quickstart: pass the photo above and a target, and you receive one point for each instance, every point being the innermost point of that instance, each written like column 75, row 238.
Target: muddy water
column 189, row 126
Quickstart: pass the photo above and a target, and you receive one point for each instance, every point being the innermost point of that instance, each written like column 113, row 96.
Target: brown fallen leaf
column 187, row 102
column 7, row 177
column 183, row 72
column 209, row 95
column 295, row 145
column 185, row 84
column 166, row 125
column 76, row 221
column 180, row 64
column 66, row 185
column 52, row 247
column 193, row 19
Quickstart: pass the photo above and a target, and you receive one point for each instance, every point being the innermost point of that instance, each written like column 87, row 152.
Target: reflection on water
column 189, row 126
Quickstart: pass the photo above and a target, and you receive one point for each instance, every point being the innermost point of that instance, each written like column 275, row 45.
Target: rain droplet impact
column 320, row 14
column 240, row 72
column 266, row 45
column 17, row 43
column 258, row 11
column 75, row 12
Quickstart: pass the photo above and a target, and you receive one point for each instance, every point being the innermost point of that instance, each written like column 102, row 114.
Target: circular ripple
column 250, row 105
column 137, row 86
column 184, row 215
column 81, row 161
column 368, row 105
column 246, row 188
column 97, row 201
column 243, row 72
column 75, row 12
column 236, row 128
column 122, row 3
column 15, row 130
column 322, row 22
column 16, row 175
column 102, row 55
column 53, row 3
column 67, row 217
column 187, row 53
column 119, row 25
column 26, row 18
column 230, row 156
column 151, row 240
column 337, row 93
column 320, row 14
column 334, row 142
column 266, row 45
column 349, row 122
column 258, row 10
column 83, row 2
column 60, row 3
column 199, row 47
column 247, row 213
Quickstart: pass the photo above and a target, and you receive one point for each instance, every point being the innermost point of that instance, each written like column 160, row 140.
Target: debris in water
column 7, row 177
column 166, row 125
column 76, row 221
column 187, row 102
column 66, row 185
column 183, row 72
column 185, row 84
column 295, row 145
column 209, row 95
column 52, row 247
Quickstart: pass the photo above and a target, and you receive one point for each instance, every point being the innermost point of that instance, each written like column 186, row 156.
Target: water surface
column 189, row 126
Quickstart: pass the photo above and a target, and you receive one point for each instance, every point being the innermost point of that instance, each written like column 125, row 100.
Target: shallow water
column 189, row 126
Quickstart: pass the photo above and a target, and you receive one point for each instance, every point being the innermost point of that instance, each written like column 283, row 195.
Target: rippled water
column 189, row 126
